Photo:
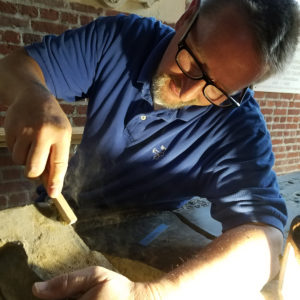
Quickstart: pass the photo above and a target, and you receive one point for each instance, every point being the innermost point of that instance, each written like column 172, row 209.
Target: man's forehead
column 225, row 41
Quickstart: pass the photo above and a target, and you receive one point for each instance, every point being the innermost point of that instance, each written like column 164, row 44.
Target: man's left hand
column 92, row 283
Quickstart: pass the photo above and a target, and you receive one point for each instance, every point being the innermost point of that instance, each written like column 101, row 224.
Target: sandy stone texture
column 35, row 245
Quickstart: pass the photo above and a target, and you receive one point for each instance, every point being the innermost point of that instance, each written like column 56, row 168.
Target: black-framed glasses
column 193, row 69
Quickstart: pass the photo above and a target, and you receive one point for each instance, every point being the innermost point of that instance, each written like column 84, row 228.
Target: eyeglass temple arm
column 234, row 102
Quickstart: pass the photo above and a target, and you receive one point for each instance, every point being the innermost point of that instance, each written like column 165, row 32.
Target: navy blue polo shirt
column 131, row 155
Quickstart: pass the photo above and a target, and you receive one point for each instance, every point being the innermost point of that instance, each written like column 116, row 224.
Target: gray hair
column 275, row 25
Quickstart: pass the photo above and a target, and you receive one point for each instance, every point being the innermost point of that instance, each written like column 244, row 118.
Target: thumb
column 68, row 285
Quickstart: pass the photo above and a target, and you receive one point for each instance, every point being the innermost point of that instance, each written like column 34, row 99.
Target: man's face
column 224, row 46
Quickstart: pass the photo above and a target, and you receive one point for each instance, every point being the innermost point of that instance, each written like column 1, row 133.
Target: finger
column 58, row 163
column 37, row 158
column 68, row 285
column 20, row 150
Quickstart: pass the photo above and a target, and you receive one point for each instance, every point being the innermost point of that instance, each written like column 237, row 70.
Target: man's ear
column 188, row 13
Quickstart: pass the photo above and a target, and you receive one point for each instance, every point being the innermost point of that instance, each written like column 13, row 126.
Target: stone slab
column 36, row 245
column 160, row 239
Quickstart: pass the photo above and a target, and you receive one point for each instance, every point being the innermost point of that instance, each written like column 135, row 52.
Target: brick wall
column 25, row 21
column 282, row 114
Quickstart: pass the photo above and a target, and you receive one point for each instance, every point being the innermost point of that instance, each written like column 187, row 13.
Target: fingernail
column 32, row 172
column 54, row 191
column 40, row 287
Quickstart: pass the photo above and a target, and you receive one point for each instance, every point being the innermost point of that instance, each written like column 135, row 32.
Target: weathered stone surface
column 51, row 247
column 36, row 246
column 16, row 278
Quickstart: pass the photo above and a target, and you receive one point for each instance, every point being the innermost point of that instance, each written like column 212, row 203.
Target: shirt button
column 143, row 117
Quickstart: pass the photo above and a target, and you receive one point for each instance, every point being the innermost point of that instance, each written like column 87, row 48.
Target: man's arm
column 234, row 266
column 38, row 132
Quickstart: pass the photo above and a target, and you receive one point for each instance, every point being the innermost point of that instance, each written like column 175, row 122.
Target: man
column 211, row 140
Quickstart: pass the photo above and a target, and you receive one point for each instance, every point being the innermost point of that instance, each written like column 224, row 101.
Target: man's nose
column 191, row 89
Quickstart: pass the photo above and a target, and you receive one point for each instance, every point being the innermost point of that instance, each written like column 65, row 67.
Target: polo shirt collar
column 145, row 78
column 151, row 64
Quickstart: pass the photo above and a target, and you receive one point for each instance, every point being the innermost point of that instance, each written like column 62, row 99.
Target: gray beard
column 158, row 82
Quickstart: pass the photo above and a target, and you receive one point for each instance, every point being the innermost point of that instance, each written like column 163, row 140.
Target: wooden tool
column 64, row 209
column 62, row 206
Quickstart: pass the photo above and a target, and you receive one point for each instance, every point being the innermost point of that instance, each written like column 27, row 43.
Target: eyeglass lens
column 190, row 68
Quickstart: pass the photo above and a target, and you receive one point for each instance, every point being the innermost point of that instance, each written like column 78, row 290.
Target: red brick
column 276, row 141
column 280, row 111
column 69, row 18
column 52, row 3
column 5, row 160
column 290, row 141
column 81, row 109
column 18, row 199
column 259, row 95
column 29, row 38
column 280, row 156
column 270, row 103
column 277, row 133
column 267, row 111
column 84, row 8
column 288, row 148
column 85, row 20
column 68, row 108
column 30, row 11
column 272, row 95
column 10, row 37
column 6, row 49
column 294, row 111
column 279, row 148
column 48, row 27
column 15, row 186
column 283, row 119
column 3, row 202
column 6, row 7
column 79, row 121
column 110, row 12
column 32, row 195
column 280, row 162
column 296, row 119
column 297, row 104
column 13, row 22
column 292, row 126
column 292, row 155
column 49, row 14
column 262, row 103
column 287, row 96
column 12, row 174
column 269, row 119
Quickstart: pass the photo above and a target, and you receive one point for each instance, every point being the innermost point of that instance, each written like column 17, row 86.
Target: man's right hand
column 38, row 132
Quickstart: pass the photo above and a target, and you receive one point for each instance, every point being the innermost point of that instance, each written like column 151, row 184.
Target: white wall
column 165, row 10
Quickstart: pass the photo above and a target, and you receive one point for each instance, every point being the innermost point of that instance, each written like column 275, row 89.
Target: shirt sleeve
column 240, row 181
column 69, row 61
